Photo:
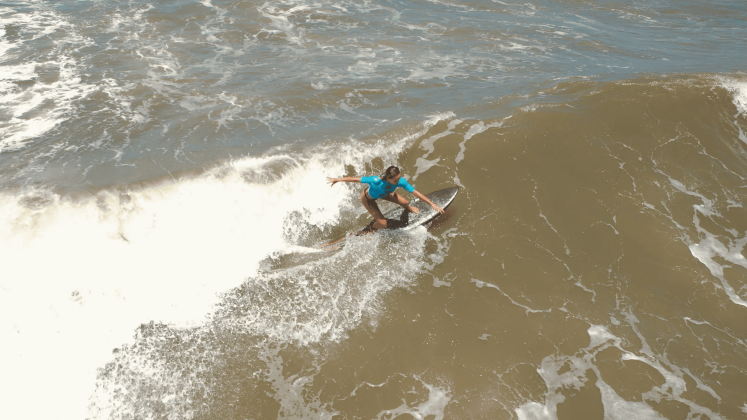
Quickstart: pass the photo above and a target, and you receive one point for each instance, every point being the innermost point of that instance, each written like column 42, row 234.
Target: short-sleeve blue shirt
column 379, row 188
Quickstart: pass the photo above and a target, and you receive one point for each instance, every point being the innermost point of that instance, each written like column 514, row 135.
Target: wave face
column 162, row 198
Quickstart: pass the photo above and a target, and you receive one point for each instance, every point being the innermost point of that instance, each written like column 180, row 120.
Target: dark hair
column 390, row 172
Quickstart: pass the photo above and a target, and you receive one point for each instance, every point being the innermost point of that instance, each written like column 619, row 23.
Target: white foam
column 598, row 335
column 302, row 304
column 34, row 111
column 534, row 411
column 475, row 129
column 316, row 301
column 423, row 164
column 439, row 70
column 710, row 247
column 438, row 398
column 280, row 22
column 480, row 284
column 4, row 44
column 292, row 392
column 91, row 271
column 738, row 88
column 548, row 370
column 615, row 407
column 164, row 65
column 161, row 256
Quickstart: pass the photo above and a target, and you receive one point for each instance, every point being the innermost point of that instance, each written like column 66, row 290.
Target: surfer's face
column 394, row 180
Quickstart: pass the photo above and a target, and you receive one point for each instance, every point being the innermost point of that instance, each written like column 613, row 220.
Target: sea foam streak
column 559, row 372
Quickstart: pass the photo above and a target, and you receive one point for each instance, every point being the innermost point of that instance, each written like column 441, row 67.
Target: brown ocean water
column 163, row 197
column 592, row 267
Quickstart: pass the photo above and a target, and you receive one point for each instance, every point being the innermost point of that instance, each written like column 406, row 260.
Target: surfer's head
column 391, row 173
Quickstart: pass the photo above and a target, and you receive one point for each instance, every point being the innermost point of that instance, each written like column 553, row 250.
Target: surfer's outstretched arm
column 419, row 195
column 333, row 181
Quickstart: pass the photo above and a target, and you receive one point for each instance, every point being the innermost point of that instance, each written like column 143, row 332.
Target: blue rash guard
column 379, row 188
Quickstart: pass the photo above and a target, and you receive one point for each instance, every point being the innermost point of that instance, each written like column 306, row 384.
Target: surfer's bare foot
column 414, row 209
column 380, row 224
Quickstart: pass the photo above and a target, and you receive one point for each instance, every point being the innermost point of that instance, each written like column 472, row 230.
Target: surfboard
column 398, row 218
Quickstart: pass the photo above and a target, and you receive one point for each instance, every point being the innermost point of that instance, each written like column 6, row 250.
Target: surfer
column 383, row 186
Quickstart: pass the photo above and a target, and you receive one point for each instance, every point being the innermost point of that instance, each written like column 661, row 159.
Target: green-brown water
column 591, row 268
column 162, row 194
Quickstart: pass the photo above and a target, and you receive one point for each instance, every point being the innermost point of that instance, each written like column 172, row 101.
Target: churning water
column 162, row 193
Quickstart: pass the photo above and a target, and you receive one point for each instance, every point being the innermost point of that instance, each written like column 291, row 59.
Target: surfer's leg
column 399, row 200
column 373, row 208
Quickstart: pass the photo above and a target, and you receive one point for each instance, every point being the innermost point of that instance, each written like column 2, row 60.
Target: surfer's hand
column 438, row 209
column 332, row 181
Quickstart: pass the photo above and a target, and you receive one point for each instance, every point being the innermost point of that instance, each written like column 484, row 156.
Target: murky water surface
column 162, row 197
